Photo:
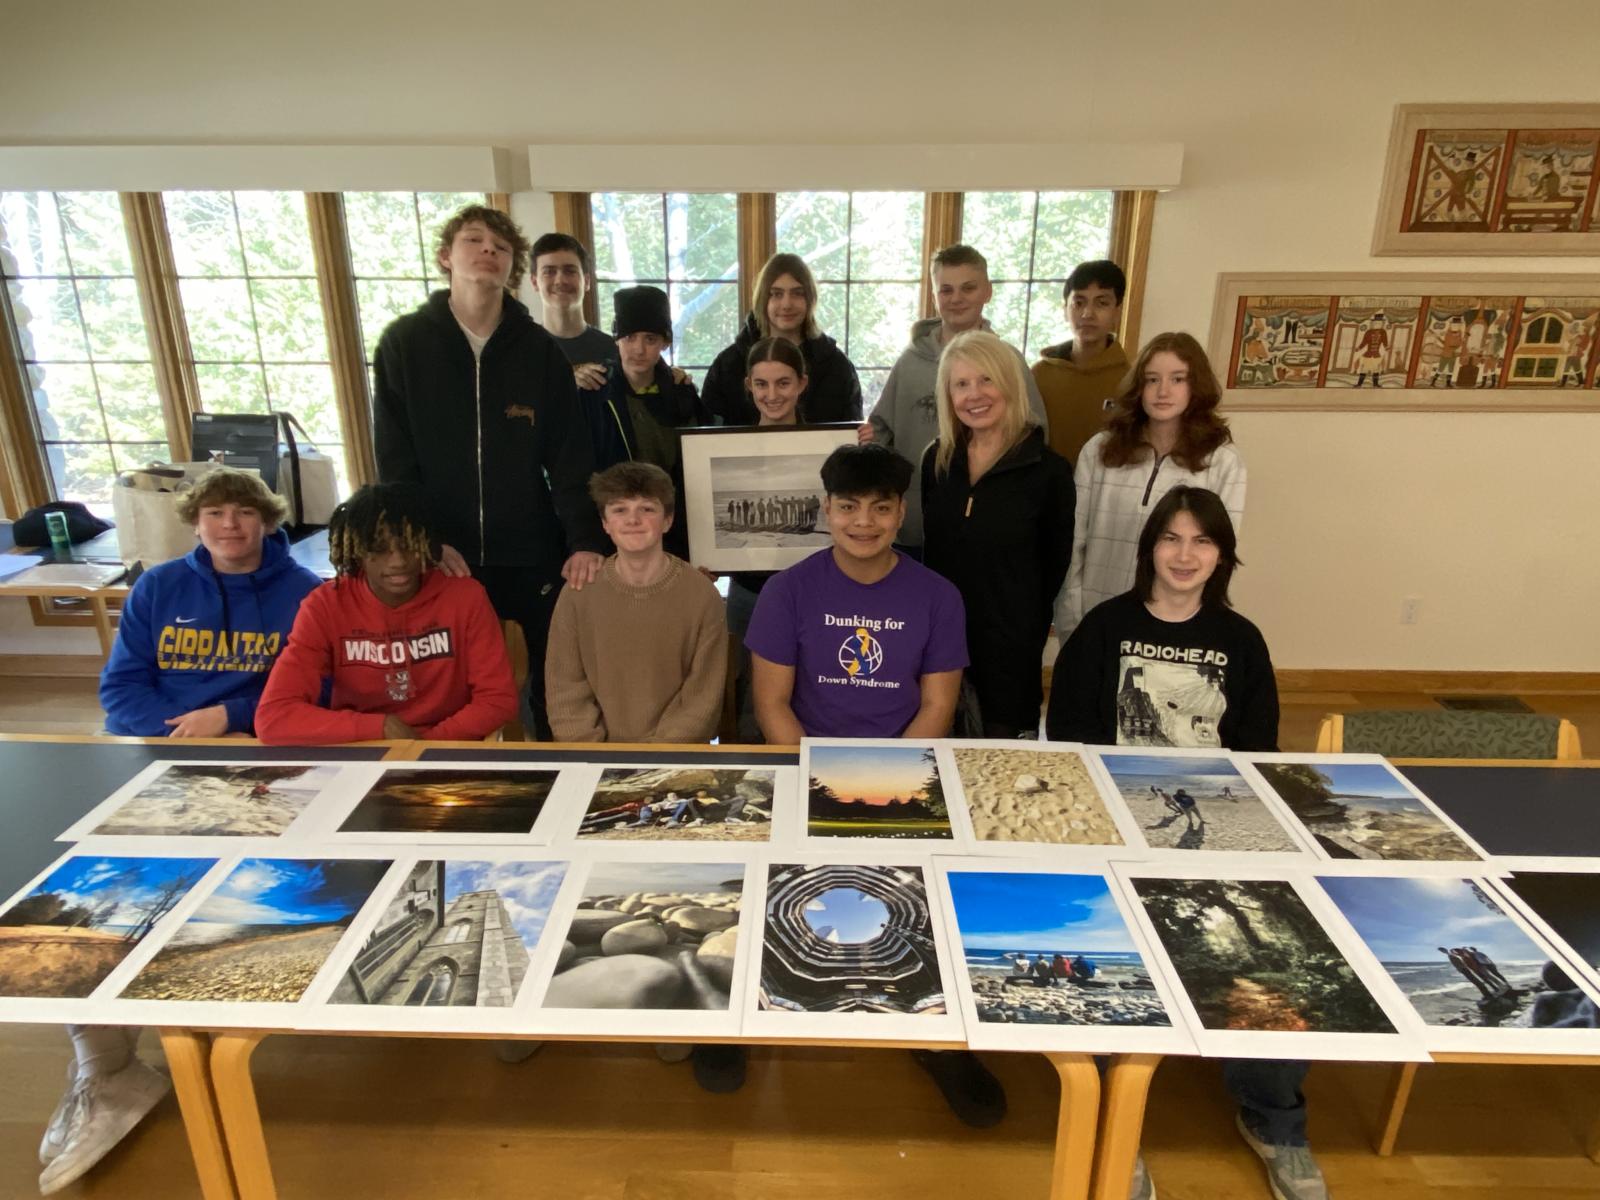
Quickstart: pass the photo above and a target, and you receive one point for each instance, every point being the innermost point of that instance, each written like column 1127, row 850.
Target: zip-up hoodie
column 499, row 444
column 833, row 390
column 191, row 637
column 1075, row 395
column 906, row 419
column 438, row 662
column 1005, row 543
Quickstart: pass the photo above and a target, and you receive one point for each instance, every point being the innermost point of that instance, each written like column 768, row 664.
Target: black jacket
column 673, row 405
column 1005, row 543
column 499, row 446
column 833, row 392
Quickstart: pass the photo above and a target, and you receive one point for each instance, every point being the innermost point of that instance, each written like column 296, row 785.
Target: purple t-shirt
column 858, row 650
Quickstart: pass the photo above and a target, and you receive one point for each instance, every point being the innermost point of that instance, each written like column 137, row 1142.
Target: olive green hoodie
column 1076, row 395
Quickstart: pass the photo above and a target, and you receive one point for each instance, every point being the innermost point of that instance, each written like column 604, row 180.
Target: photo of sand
column 1197, row 802
column 263, row 934
column 1033, row 796
column 680, row 804
column 209, row 800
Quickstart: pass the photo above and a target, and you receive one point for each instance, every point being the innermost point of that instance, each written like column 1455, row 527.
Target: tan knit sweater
column 637, row 664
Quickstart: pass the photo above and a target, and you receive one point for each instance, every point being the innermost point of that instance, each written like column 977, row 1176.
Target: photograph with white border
column 1563, row 905
column 1021, row 796
column 647, row 806
column 857, row 792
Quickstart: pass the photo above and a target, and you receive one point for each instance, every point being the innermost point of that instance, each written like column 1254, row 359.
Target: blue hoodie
column 191, row 638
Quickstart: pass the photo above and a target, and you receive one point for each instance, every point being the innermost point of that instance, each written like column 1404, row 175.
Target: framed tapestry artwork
column 1362, row 342
column 753, row 496
column 1491, row 179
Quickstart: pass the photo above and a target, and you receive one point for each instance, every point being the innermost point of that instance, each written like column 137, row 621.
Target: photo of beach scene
column 1051, row 949
column 1195, row 802
column 454, row 934
column 263, row 934
column 70, row 931
column 452, row 801
column 1252, row 956
column 210, row 800
column 1033, row 796
column 681, row 804
column 1453, row 951
column 768, row 501
column 651, row 935
column 875, row 790
column 1363, row 810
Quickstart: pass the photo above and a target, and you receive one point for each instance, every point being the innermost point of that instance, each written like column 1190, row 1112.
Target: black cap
column 642, row 309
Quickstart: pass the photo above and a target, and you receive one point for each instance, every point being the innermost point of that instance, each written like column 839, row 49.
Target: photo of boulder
column 652, row 936
column 681, row 804
column 1364, row 810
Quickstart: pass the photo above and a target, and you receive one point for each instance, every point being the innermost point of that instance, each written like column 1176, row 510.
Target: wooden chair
column 517, row 652
column 1446, row 734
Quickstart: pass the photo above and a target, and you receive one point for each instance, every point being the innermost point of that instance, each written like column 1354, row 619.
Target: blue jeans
column 1269, row 1097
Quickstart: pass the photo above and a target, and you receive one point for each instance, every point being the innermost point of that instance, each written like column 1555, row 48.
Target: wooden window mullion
column 1132, row 220
column 758, row 241
column 341, row 316
column 575, row 218
column 941, row 227
column 156, row 276
column 23, row 481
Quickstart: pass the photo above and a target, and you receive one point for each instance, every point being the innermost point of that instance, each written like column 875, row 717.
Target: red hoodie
column 438, row 662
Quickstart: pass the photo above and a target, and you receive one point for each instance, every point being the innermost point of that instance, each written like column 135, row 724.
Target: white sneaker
column 1292, row 1171
column 55, row 1133
column 101, row 1110
column 733, row 820
column 1140, row 1186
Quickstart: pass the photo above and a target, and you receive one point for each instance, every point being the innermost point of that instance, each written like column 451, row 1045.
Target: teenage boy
column 640, row 655
column 1079, row 376
column 564, row 275
column 410, row 652
column 906, row 417
column 475, row 404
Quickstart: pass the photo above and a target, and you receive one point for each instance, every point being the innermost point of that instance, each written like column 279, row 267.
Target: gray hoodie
column 906, row 419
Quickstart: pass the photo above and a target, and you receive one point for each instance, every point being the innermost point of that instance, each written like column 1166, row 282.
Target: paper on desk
column 10, row 564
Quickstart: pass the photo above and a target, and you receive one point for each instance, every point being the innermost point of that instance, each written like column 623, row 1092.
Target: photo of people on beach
column 681, row 804
column 875, row 790
column 758, row 501
column 1045, row 948
column 1033, row 796
column 1195, row 802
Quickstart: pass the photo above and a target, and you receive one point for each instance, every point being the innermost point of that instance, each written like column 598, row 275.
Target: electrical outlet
column 1410, row 609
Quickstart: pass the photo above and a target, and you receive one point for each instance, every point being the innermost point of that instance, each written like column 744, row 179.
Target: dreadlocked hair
column 373, row 517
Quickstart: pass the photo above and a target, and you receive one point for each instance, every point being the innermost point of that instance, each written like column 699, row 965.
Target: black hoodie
column 500, row 445
column 833, row 392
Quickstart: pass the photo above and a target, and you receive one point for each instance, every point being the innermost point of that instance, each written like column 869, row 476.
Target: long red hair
column 1200, row 431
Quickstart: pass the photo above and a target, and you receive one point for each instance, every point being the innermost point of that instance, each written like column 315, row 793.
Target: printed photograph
column 1047, row 949
column 456, row 934
column 263, row 934
column 681, row 804
column 875, row 791
column 1033, row 796
column 465, row 801
column 1568, row 902
column 219, row 801
column 1199, row 803
column 1252, row 956
column 65, row 936
column 652, row 936
column 849, row 938
column 1454, row 953
column 1363, row 810
column 768, row 501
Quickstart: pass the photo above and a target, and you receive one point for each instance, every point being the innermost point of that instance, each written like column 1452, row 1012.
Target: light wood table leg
column 1592, row 1146
column 188, row 1055
column 1394, row 1107
column 1127, row 1086
column 1075, row 1128
column 241, row 1118
column 102, row 624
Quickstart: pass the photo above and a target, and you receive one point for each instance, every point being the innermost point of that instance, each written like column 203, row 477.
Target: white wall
column 1283, row 112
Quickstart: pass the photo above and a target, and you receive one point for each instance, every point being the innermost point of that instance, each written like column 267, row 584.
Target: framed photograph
column 753, row 497
column 1358, row 342
column 1477, row 179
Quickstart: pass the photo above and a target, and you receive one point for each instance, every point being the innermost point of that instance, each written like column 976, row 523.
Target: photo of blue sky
column 527, row 890
column 119, row 891
column 1407, row 920
column 1373, row 784
column 1037, row 911
column 291, row 891
column 846, row 915
column 1184, row 765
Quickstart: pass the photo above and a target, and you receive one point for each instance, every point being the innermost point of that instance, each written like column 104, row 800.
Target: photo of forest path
column 1252, row 956
column 876, row 791
column 1361, row 810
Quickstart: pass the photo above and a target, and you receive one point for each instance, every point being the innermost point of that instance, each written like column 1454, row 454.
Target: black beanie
column 642, row 309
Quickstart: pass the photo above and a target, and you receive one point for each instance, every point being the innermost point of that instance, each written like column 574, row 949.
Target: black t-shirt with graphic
column 1128, row 678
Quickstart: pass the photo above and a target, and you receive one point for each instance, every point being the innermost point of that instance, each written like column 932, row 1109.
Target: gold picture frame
column 1360, row 342
column 1476, row 179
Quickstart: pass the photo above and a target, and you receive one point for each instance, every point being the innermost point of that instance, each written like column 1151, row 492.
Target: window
column 435, row 986
column 865, row 250
column 72, row 299
column 1032, row 241
column 248, row 280
column 458, row 930
column 686, row 243
column 392, row 237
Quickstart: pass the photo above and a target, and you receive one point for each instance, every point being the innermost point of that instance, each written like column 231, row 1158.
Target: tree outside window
column 69, row 286
column 687, row 244
column 1032, row 241
column 865, row 250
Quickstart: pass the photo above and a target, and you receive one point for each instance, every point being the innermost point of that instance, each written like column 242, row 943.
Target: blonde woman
column 997, row 505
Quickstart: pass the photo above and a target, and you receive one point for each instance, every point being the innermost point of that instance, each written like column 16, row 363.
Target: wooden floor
column 398, row 1119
